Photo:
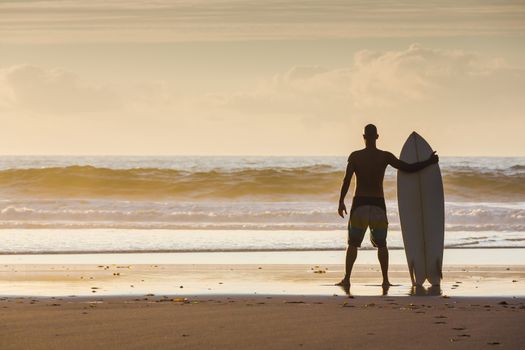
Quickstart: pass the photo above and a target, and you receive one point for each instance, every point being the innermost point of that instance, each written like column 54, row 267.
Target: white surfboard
column 422, row 213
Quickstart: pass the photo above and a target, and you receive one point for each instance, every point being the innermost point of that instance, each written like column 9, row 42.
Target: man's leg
column 355, row 237
column 356, row 232
column 382, row 255
column 378, row 237
column 351, row 255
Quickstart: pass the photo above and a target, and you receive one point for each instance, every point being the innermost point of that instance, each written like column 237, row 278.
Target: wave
column 321, row 182
column 517, row 167
column 235, row 215
column 92, row 182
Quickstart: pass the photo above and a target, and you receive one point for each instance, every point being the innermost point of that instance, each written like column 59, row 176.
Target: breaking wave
column 317, row 182
column 257, row 215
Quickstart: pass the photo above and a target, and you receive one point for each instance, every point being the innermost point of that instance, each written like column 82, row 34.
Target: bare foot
column 386, row 286
column 345, row 285
column 344, row 282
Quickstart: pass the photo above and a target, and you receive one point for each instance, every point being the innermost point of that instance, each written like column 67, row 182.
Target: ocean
column 132, row 204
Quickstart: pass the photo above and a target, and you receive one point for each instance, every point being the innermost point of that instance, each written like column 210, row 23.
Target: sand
column 247, row 306
column 229, row 279
column 262, row 322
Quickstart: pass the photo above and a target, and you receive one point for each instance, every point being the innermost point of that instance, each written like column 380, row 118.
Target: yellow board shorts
column 363, row 217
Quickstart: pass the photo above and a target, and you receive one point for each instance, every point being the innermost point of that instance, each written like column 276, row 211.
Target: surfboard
column 422, row 213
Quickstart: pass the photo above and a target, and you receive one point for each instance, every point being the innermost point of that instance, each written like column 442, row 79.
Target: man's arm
column 411, row 168
column 346, row 185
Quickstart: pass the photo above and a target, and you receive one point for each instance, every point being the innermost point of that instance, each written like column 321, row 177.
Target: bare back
column 369, row 165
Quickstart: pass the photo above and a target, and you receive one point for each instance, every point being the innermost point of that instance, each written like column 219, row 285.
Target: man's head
column 370, row 132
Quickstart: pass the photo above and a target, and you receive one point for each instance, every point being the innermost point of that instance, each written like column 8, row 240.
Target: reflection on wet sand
column 286, row 279
column 414, row 290
column 384, row 288
column 425, row 291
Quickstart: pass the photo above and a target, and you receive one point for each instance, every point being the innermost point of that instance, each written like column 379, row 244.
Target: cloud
column 448, row 94
column 418, row 78
column 417, row 73
column 302, row 92
column 52, row 91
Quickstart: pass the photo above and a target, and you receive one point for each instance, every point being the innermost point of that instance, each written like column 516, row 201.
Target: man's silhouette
column 368, row 205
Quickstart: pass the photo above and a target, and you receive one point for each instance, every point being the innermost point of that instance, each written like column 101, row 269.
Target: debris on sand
column 181, row 300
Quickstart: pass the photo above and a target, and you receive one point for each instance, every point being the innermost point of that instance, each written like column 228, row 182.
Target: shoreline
column 113, row 241
column 452, row 257
column 241, row 250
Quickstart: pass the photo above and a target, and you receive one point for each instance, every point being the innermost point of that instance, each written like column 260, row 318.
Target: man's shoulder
column 362, row 155
column 354, row 154
column 386, row 153
column 389, row 157
column 361, row 151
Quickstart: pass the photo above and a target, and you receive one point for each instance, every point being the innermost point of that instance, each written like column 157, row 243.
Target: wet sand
column 248, row 279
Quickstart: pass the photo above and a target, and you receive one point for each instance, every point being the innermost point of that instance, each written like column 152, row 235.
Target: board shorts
column 368, row 216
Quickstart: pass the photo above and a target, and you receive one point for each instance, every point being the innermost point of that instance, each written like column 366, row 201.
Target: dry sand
column 255, row 307
column 262, row 322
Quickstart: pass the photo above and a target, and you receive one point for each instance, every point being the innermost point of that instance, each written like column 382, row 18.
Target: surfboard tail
column 436, row 274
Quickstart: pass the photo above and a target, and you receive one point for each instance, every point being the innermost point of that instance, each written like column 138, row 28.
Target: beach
column 237, row 253
column 262, row 322
column 254, row 306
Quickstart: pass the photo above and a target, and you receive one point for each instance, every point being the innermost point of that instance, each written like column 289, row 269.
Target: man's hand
column 342, row 209
column 434, row 158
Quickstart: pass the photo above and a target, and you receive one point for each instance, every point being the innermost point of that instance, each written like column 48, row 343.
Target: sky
column 275, row 77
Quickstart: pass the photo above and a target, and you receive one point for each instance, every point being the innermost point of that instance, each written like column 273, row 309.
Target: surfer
column 368, row 205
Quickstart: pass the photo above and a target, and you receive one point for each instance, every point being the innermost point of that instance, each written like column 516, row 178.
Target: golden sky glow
column 260, row 77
